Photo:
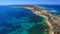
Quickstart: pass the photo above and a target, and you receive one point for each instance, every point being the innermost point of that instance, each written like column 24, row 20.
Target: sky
column 14, row 2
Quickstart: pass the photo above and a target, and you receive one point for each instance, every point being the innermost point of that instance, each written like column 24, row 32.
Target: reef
column 53, row 21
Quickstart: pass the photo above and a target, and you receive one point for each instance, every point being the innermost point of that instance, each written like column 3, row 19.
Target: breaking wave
column 52, row 11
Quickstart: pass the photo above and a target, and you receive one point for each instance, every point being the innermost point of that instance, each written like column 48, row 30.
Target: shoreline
column 39, row 14
column 47, row 22
column 38, row 10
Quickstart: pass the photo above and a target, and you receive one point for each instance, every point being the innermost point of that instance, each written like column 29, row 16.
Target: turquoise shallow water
column 20, row 21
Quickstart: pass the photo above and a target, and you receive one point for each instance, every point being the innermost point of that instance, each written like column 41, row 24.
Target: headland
column 52, row 21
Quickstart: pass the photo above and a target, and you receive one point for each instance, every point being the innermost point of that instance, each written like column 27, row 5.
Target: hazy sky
column 11, row 2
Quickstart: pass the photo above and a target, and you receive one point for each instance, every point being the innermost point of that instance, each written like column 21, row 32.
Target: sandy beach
column 48, row 23
column 39, row 14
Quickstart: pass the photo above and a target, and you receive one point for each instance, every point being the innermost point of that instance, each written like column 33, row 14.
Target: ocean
column 20, row 21
column 53, row 9
column 24, row 21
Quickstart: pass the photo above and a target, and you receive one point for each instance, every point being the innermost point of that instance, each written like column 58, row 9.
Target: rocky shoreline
column 53, row 21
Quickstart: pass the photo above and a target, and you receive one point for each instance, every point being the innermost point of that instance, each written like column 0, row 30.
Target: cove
column 20, row 21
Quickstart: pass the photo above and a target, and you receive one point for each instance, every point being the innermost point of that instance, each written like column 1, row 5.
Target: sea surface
column 20, row 21
column 53, row 9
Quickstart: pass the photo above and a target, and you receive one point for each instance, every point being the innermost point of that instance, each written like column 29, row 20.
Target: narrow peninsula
column 52, row 22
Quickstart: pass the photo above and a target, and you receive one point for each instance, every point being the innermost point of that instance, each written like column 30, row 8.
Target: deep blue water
column 53, row 9
column 23, row 21
column 19, row 21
